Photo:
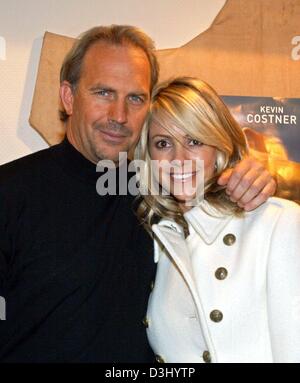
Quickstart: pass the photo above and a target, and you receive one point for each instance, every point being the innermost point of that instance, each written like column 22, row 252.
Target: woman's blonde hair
column 194, row 107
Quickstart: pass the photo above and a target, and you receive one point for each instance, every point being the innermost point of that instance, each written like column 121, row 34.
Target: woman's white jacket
column 231, row 294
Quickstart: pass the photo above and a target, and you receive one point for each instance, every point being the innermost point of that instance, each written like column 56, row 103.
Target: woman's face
column 192, row 162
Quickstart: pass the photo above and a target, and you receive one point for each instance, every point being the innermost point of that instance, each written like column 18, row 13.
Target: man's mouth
column 113, row 136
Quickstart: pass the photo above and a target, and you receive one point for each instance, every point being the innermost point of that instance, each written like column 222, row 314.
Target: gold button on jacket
column 229, row 239
column 221, row 273
column 159, row 359
column 145, row 322
column 206, row 357
column 216, row 316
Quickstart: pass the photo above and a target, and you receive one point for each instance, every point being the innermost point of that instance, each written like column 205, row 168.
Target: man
column 76, row 268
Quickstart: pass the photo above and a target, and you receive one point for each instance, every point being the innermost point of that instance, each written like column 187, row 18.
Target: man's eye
column 194, row 142
column 136, row 99
column 103, row 93
column 162, row 144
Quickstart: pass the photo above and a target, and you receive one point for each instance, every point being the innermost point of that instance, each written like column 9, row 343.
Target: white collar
column 207, row 221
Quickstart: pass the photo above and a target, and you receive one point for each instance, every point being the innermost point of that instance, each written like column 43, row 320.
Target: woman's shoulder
column 278, row 209
column 281, row 204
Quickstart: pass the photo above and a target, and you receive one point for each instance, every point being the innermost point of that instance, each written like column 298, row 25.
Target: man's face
column 109, row 105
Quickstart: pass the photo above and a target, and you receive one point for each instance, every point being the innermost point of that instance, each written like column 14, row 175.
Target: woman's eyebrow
column 162, row 135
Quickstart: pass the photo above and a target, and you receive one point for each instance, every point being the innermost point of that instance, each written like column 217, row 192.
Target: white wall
column 171, row 23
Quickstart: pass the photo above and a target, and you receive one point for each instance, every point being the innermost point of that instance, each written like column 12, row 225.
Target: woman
column 227, row 287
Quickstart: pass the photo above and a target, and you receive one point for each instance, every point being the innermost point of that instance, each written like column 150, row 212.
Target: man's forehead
column 102, row 49
column 104, row 62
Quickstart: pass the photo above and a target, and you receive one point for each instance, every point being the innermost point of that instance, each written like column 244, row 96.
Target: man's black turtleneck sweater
column 75, row 267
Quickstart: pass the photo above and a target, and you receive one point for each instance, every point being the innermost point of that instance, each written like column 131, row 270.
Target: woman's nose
column 181, row 154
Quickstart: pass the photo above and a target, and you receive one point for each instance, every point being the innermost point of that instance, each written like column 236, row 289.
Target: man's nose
column 118, row 112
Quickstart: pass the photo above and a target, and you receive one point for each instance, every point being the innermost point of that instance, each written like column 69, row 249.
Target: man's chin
column 117, row 157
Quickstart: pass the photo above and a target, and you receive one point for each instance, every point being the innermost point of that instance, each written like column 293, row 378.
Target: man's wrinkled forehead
column 106, row 54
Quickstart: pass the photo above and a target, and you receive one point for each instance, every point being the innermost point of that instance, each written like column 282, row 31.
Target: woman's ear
column 66, row 96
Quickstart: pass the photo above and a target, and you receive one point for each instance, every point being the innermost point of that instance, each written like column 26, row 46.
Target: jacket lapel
column 207, row 221
column 170, row 236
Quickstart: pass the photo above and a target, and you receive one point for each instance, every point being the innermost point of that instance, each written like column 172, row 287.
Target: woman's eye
column 162, row 144
column 193, row 142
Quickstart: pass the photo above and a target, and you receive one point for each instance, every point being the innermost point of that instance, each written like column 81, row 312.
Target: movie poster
column 272, row 128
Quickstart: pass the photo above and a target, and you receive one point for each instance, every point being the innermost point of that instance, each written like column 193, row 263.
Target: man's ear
column 66, row 96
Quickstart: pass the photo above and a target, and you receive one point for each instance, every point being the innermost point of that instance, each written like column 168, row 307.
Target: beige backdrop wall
column 171, row 23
